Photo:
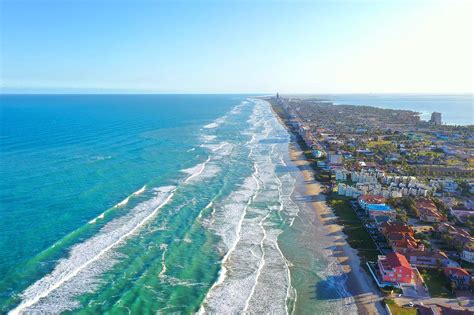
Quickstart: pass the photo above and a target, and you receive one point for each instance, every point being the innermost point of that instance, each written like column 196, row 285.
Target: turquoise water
column 456, row 109
column 156, row 203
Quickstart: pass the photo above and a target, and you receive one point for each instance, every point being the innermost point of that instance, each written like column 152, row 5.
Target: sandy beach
column 358, row 283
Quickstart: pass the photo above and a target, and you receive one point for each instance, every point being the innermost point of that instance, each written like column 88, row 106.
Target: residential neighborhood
column 409, row 183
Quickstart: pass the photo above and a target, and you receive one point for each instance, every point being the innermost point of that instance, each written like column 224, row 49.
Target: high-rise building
column 435, row 118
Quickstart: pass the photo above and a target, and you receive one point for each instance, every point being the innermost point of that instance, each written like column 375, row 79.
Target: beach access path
column 359, row 284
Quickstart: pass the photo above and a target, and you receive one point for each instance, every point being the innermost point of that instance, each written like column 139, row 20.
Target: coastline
column 358, row 282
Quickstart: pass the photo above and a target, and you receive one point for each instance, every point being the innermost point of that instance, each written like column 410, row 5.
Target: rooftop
column 378, row 207
column 371, row 199
column 459, row 272
column 394, row 260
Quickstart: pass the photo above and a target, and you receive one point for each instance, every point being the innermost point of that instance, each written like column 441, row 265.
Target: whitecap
column 120, row 204
column 126, row 200
column 211, row 125
column 195, row 170
column 208, row 138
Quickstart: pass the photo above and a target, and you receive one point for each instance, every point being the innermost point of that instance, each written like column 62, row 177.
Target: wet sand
column 358, row 283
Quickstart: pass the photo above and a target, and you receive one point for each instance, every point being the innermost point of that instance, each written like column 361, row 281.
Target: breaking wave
column 79, row 272
column 76, row 273
column 211, row 125
column 254, row 275
column 120, row 204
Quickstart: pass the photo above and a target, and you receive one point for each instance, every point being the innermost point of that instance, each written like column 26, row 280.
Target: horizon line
column 144, row 92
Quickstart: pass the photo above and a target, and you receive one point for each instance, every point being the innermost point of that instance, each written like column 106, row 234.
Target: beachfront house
column 381, row 219
column 403, row 242
column 395, row 226
column 395, row 269
column 374, row 210
column 375, row 206
column 366, row 200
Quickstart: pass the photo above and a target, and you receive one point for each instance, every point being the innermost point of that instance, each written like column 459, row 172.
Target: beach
column 358, row 281
column 359, row 284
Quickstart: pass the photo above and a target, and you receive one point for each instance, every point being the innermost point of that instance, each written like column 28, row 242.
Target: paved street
column 466, row 301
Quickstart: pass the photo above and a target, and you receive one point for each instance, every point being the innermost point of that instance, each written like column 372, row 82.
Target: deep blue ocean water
column 147, row 203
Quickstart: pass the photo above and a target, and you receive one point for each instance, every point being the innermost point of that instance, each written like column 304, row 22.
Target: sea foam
column 254, row 275
column 77, row 273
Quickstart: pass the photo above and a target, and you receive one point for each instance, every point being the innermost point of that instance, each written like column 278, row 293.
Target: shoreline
column 360, row 286
column 358, row 282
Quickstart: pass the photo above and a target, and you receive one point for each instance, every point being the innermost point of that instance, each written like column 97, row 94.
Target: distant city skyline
column 236, row 47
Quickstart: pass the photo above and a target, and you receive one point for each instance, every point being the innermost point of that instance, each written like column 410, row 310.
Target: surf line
column 260, row 265
column 25, row 304
column 209, row 205
column 203, row 165
column 290, row 288
column 126, row 200
column 223, row 271
column 287, row 263
column 120, row 204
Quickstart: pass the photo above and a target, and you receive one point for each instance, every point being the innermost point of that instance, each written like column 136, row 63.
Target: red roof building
column 403, row 242
column 396, row 269
column 387, row 228
column 428, row 212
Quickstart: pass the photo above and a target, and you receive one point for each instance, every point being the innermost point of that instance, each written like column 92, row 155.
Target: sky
column 385, row 46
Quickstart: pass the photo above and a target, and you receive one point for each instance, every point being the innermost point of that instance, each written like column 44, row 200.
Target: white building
column 341, row 189
column 435, row 118
column 341, row 174
column 468, row 255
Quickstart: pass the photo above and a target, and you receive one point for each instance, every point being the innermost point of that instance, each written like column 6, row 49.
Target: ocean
column 156, row 203
column 456, row 109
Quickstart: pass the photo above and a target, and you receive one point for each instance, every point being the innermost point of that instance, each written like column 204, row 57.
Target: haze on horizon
column 237, row 46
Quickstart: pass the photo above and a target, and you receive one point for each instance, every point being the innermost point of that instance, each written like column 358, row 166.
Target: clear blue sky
column 236, row 46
